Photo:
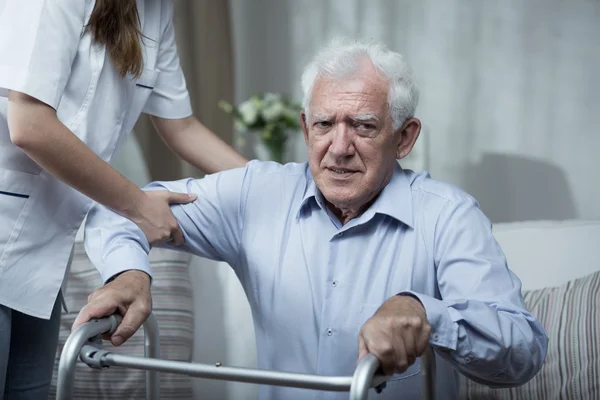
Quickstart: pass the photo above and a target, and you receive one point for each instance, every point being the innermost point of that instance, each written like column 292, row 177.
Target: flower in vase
column 269, row 116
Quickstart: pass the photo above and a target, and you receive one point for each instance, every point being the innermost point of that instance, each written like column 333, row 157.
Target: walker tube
column 365, row 376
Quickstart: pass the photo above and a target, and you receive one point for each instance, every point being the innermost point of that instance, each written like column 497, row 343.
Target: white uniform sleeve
column 38, row 43
column 170, row 97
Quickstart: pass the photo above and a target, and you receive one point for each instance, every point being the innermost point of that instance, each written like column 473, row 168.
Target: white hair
column 341, row 57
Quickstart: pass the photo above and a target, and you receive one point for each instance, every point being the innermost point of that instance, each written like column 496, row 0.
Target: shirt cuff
column 441, row 318
column 123, row 259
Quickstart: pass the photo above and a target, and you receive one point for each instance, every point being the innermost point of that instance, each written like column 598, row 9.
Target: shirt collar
column 395, row 200
column 310, row 193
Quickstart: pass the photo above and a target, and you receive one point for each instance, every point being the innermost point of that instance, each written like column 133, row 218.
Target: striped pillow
column 571, row 315
column 173, row 308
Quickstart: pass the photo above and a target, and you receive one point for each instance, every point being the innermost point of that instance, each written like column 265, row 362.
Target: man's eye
column 366, row 126
column 323, row 124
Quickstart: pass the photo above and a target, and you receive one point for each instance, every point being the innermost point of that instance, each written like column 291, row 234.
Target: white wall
column 510, row 89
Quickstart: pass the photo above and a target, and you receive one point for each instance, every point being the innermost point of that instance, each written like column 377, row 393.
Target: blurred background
column 509, row 89
column 509, row 101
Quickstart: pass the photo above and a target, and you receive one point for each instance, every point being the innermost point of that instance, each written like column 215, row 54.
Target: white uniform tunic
column 45, row 53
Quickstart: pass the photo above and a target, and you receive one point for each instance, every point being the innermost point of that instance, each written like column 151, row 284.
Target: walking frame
column 85, row 343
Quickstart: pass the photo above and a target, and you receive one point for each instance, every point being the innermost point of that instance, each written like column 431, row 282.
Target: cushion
column 172, row 306
column 555, row 244
column 570, row 314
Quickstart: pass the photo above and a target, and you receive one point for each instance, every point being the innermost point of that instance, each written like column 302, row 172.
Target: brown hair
column 116, row 24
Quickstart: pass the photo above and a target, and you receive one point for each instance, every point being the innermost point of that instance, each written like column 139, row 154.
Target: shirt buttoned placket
column 329, row 327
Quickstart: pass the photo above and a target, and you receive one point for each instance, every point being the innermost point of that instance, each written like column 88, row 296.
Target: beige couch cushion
column 550, row 253
column 173, row 308
column 570, row 314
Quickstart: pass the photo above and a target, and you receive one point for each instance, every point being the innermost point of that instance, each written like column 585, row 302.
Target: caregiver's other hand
column 129, row 295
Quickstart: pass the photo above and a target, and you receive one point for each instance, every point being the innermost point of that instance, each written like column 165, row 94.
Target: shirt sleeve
column 480, row 324
column 212, row 225
column 38, row 43
column 170, row 97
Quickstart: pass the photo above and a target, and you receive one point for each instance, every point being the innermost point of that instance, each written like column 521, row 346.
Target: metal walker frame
column 85, row 343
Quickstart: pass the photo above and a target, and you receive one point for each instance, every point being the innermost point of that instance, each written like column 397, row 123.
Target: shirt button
column 329, row 332
column 334, row 283
column 72, row 232
column 340, row 234
column 435, row 336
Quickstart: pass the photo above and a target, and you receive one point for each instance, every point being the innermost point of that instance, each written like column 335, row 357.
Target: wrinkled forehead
column 362, row 96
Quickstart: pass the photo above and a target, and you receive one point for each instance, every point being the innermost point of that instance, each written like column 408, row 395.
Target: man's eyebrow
column 354, row 118
column 364, row 117
column 320, row 117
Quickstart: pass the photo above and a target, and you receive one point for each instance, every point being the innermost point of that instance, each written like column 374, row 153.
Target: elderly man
column 348, row 253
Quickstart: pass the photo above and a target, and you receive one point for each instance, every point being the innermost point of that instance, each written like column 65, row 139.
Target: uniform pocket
column 141, row 92
column 147, row 80
column 16, row 189
column 367, row 311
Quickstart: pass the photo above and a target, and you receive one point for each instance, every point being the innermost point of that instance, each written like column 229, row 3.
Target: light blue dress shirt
column 312, row 282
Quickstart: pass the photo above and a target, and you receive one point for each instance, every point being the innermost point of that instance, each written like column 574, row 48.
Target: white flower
column 258, row 103
column 239, row 126
column 249, row 112
column 291, row 114
column 241, row 142
column 271, row 98
column 273, row 111
column 225, row 106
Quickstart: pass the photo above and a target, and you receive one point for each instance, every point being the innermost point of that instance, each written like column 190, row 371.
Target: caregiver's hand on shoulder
column 129, row 295
column 396, row 334
column 153, row 215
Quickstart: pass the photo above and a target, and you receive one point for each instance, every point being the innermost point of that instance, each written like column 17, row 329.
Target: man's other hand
column 129, row 295
column 396, row 334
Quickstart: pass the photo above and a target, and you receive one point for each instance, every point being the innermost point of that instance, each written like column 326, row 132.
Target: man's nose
column 341, row 142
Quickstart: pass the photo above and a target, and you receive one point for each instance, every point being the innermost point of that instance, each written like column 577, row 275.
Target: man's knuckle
column 401, row 365
column 404, row 322
column 145, row 311
column 384, row 349
column 144, row 308
column 389, row 324
column 427, row 329
column 94, row 294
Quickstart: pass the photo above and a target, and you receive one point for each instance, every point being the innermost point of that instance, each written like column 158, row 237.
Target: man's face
column 352, row 148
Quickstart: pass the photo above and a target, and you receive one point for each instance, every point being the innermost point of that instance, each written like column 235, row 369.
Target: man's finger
column 362, row 348
column 178, row 238
column 423, row 338
column 410, row 346
column 181, row 198
column 94, row 310
column 399, row 362
column 132, row 321
column 93, row 295
column 380, row 348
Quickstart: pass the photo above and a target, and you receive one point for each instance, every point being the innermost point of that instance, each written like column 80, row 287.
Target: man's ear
column 408, row 135
column 304, row 124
